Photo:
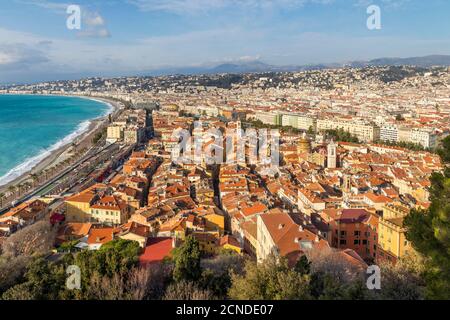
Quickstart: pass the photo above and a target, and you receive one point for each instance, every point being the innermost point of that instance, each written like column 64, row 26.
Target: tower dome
column 304, row 145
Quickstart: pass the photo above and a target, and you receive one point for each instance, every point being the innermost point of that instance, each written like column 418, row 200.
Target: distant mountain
column 252, row 66
column 259, row 66
column 427, row 61
column 240, row 67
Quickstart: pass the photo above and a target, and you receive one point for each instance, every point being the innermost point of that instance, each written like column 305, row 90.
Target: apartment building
column 270, row 118
column 392, row 242
column 427, row 138
column 354, row 229
column 278, row 234
column 114, row 133
column 389, row 132
column 97, row 204
column 366, row 132
column 301, row 122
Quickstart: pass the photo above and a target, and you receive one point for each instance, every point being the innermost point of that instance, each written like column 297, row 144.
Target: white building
column 389, row 133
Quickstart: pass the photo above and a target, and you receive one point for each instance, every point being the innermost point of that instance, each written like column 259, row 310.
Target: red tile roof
column 156, row 250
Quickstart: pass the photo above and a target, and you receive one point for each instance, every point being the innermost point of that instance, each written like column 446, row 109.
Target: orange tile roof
column 101, row 235
column 258, row 207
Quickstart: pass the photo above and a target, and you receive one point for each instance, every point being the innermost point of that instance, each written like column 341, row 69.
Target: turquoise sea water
column 33, row 126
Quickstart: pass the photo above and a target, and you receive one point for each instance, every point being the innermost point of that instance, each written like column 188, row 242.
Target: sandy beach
column 82, row 141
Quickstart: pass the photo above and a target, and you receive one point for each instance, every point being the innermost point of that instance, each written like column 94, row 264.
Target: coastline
column 58, row 152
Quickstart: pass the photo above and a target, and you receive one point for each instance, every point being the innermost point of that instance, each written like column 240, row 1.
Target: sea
column 33, row 126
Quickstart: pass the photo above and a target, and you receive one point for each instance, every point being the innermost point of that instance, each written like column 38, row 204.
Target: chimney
column 174, row 242
column 280, row 226
column 300, row 228
column 317, row 238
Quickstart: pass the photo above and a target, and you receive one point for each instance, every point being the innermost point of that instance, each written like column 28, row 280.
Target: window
column 357, row 233
column 356, row 242
column 343, row 233
column 343, row 242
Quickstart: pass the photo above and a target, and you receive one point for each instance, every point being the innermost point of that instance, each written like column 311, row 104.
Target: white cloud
column 15, row 56
column 93, row 24
column 6, row 58
column 385, row 3
column 94, row 20
column 45, row 4
column 202, row 6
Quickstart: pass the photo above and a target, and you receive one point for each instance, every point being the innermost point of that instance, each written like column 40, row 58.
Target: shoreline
column 87, row 130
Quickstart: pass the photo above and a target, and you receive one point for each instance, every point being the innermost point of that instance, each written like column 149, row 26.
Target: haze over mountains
column 241, row 67
column 259, row 66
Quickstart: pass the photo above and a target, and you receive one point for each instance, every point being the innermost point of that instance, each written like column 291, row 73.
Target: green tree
column 342, row 135
column 216, row 275
column 187, row 261
column 271, row 280
column 112, row 258
column 303, row 266
column 429, row 231
column 444, row 151
column 185, row 290
column 43, row 281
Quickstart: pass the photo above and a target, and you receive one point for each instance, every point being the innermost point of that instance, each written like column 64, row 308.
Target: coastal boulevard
column 109, row 156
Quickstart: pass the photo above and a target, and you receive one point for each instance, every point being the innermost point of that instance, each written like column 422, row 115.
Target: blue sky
column 126, row 37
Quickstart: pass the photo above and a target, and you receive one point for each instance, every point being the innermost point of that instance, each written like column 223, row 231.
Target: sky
column 132, row 37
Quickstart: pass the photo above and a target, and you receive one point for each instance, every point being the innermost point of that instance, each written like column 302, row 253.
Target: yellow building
column 115, row 133
column 135, row 232
column 392, row 243
column 88, row 206
column 208, row 241
column 230, row 243
column 78, row 207
column 215, row 222
column 110, row 210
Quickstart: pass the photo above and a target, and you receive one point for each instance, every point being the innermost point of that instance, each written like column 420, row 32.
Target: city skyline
column 36, row 44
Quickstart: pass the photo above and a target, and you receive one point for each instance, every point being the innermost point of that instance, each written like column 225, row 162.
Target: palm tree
column 2, row 196
column 12, row 189
column 28, row 185
column 35, row 179
column 19, row 188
